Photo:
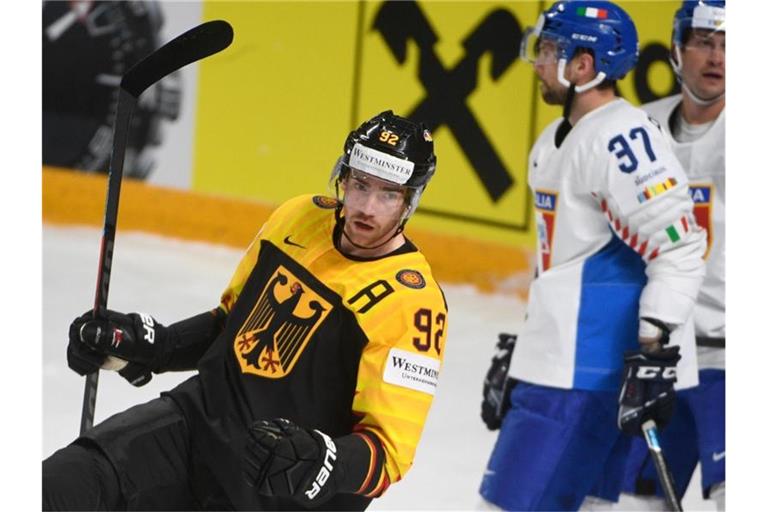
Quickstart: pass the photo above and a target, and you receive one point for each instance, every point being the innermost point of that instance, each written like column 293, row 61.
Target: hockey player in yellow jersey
column 316, row 370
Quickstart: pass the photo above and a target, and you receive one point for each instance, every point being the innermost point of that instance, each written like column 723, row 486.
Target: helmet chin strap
column 561, row 64
column 678, row 69
column 698, row 99
column 568, row 102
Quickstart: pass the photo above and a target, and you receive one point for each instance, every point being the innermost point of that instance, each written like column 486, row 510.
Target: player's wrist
column 653, row 334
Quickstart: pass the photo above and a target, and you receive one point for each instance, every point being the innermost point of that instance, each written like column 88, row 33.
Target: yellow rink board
column 71, row 197
column 274, row 108
column 273, row 111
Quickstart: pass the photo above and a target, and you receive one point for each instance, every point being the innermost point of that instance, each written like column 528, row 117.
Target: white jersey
column 616, row 241
column 704, row 163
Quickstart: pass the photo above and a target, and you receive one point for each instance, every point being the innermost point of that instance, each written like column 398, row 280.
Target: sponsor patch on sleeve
column 656, row 189
column 412, row 371
column 411, row 279
column 326, row 202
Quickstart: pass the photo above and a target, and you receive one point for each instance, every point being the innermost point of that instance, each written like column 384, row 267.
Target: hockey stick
column 651, row 434
column 193, row 45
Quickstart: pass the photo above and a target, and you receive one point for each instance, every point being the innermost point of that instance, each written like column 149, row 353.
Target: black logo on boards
column 498, row 34
column 650, row 54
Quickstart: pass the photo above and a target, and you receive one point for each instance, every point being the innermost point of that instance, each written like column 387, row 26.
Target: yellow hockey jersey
column 329, row 341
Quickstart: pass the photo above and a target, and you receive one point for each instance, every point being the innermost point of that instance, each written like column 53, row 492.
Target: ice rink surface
column 173, row 280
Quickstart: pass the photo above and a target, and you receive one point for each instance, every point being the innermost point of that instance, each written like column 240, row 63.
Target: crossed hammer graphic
column 447, row 89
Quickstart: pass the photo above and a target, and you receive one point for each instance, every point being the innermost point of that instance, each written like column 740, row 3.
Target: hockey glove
column 648, row 390
column 283, row 459
column 497, row 386
column 128, row 343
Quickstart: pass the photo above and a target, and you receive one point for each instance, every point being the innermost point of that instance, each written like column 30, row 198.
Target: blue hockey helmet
column 602, row 27
column 701, row 14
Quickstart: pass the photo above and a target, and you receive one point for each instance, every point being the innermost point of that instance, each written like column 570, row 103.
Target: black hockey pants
column 135, row 460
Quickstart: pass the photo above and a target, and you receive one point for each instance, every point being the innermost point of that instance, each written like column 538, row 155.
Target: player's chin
column 712, row 89
column 361, row 235
column 365, row 240
column 552, row 96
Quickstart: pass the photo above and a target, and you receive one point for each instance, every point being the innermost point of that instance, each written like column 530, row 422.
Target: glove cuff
column 135, row 373
column 362, row 459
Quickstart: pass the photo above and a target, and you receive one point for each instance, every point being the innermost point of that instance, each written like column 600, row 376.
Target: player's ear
column 584, row 67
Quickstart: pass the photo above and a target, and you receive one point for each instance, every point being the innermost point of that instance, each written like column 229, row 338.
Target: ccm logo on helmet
column 325, row 469
column 584, row 37
column 651, row 372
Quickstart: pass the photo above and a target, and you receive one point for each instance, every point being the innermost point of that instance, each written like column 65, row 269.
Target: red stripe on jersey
column 633, row 242
column 654, row 254
column 617, row 224
column 625, row 233
column 642, row 248
column 685, row 223
column 381, row 487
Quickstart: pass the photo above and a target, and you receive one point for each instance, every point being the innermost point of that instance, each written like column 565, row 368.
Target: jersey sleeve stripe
column 382, row 486
column 375, row 466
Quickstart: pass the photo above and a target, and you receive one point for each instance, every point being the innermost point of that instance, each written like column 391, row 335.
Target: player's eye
column 392, row 195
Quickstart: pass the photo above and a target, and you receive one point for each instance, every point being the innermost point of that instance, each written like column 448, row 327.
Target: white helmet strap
column 561, row 64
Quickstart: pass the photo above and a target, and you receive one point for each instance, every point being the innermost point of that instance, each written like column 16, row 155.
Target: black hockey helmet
column 408, row 142
column 391, row 148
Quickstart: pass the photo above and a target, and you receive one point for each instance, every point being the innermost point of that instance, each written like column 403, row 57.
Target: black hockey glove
column 497, row 386
column 648, row 391
column 283, row 459
column 134, row 341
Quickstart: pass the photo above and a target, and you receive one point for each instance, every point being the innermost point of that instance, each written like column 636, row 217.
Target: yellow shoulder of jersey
column 295, row 217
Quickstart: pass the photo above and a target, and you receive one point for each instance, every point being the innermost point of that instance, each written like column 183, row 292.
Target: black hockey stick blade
column 651, row 434
column 195, row 44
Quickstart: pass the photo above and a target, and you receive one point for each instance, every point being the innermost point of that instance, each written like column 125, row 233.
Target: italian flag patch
column 677, row 229
column 592, row 12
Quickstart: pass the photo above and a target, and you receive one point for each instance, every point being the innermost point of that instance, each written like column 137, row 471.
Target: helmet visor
column 539, row 47
column 373, row 196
